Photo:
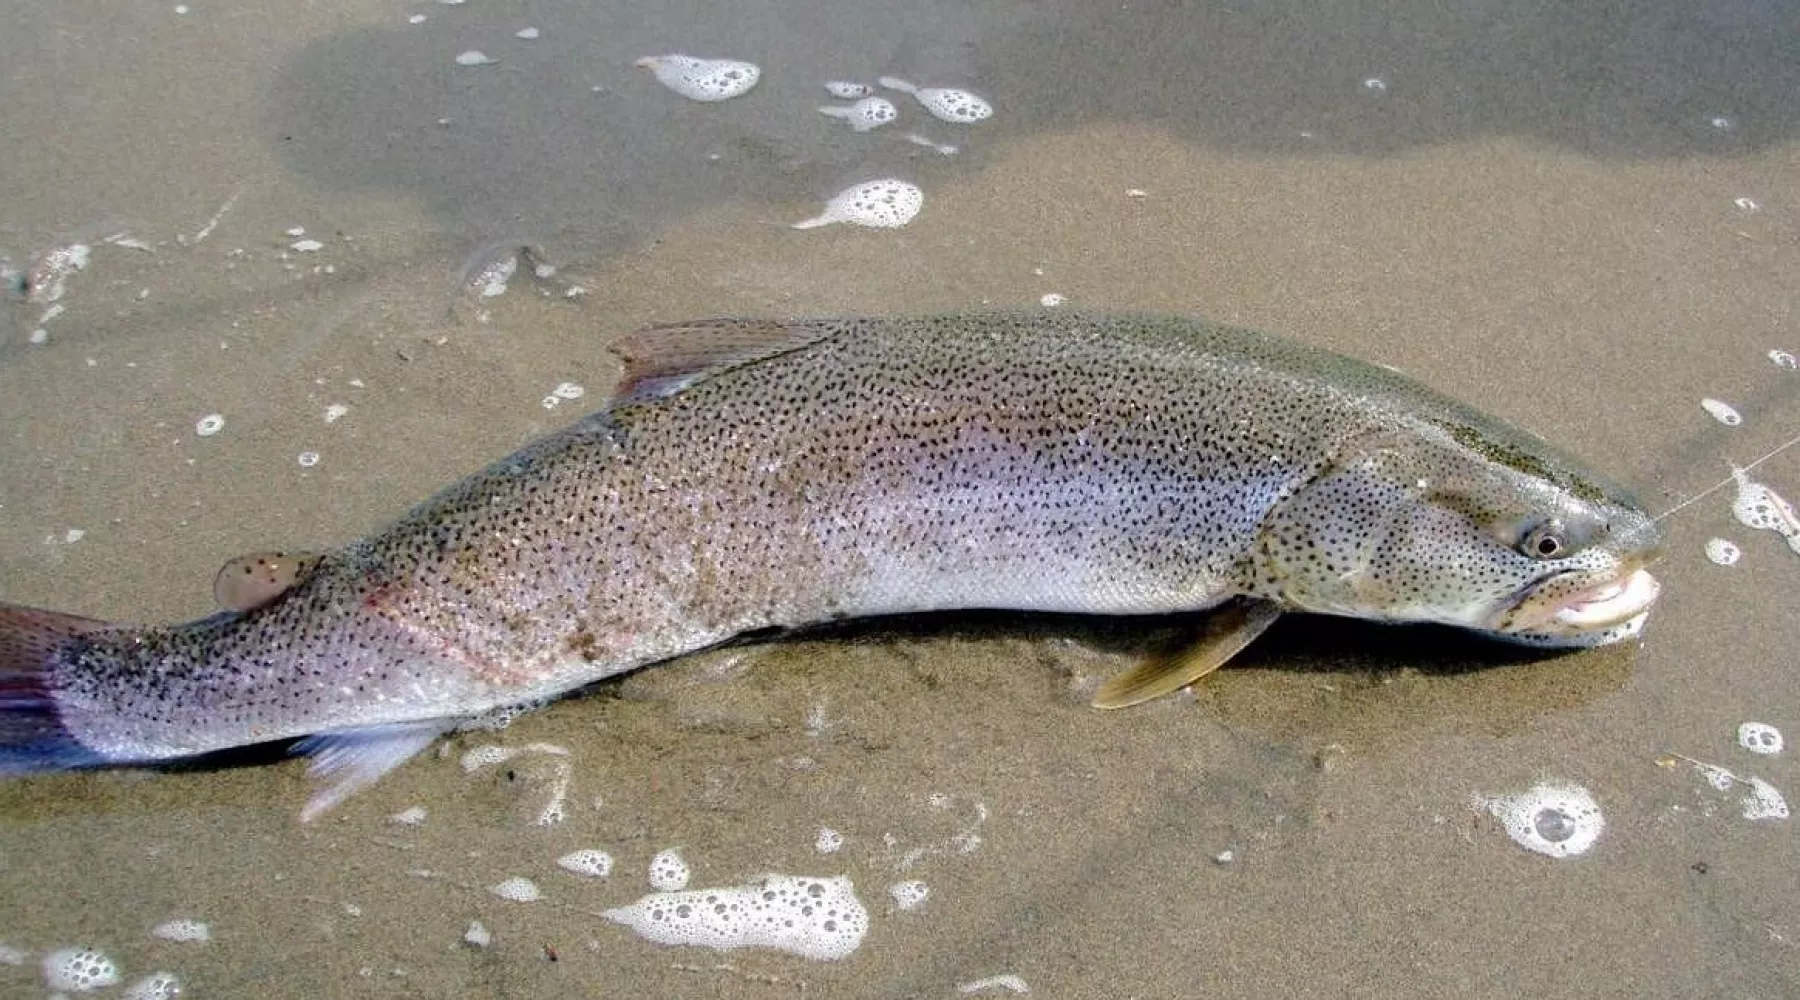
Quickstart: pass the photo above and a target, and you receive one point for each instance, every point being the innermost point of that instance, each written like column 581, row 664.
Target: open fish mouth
column 1580, row 609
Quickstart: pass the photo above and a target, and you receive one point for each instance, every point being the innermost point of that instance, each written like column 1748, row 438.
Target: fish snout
column 1571, row 606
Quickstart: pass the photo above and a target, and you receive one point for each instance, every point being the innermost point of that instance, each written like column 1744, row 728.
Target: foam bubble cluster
column 1553, row 819
column 1007, row 982
column 668, row 871
column 478, row 936
column 590, row 862
column 1761, row 800
column 1783, row 359
column 868, row 113
column 816, row 918
column 79, row 969
column 703, row 79
column 183, row 930
column 882, row 204
column 829, row 841
column 50, row 272
column 518, row 889
column 1760, row 737
column 944, row 103
column 845, row 90
column 908, row 895
column 1722, row 411
column 1722, row 552
column 155, row 986
column 1757, row 506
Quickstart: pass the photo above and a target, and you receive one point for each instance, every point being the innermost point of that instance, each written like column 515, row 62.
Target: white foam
column 1722, row 552
column 1758, row 506
column 668, row 871
column 478, row 936
column 909, row 895
column 590, row 862
column 183, row 929
column 829, row 841
column 1761, row 800
column 845, row 90
column 79, row 969
column 1764, row 801
column 1722, row 411
column 335, row 412
column 1783, row 359
column 1760, row 737
column 703, row 79
column 485, row 756
column 816, row 918
column 474, row 57
column 1008, row 982
column 412, row 816
column 1555, row 819
column 50, row 272
column 942, row 148
column 950, row 104
column 10, row 955
column 1052, row 300
column 882, row 204
column 155, row 986
column 518, row 889
column 866, row 114
column 210, row 424
column 1746, row 204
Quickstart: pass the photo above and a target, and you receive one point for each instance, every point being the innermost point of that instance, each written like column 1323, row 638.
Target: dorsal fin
column 251, row 581
column 663, row 360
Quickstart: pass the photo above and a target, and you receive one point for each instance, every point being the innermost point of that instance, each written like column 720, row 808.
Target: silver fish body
column 755, row 474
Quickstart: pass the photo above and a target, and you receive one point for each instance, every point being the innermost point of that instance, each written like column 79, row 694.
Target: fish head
column 1487, row 529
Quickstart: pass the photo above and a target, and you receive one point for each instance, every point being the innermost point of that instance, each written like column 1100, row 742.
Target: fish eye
column 1545, row 541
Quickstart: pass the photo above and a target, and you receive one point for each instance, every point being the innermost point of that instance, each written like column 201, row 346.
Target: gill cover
column 1420, row 528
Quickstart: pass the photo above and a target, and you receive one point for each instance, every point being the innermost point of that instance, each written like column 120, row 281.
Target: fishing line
column 1728, row 480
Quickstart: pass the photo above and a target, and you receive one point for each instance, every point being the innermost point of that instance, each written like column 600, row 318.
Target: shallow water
column 1579, row 217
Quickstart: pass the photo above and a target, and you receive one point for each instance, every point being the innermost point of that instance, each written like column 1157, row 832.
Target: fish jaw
column 1580, row 609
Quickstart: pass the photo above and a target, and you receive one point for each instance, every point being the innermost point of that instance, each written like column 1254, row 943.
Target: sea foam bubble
column 1555, row 819
column 815, row 918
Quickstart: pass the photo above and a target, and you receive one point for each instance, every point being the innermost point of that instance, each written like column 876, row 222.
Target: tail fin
column 32, row 735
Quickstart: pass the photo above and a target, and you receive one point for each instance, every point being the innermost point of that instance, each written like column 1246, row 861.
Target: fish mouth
column 1581, row 608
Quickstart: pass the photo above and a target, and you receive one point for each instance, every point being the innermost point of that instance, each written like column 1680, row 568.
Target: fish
column 757, row 475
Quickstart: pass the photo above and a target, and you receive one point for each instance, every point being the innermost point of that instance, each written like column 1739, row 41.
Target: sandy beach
column 1580, row 217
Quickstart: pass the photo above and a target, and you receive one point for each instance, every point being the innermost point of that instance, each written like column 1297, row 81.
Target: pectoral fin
column 249, row 582
column 1229, row 628
column 349, row 760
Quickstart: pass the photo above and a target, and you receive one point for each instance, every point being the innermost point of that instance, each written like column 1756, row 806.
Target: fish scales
column 790, row 474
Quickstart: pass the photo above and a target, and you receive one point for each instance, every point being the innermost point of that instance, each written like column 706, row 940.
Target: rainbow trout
column 755, row 474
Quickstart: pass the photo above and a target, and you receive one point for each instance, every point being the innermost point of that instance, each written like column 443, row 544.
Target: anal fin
column 348, row 760
column 1224, row 631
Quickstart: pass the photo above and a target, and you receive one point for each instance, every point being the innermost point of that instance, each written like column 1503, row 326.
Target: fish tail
column 32, row 734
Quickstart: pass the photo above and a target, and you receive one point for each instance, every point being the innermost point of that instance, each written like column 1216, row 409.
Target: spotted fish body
column 757, row 474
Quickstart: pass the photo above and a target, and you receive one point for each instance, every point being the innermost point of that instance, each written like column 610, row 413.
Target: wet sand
column 1536, row 216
